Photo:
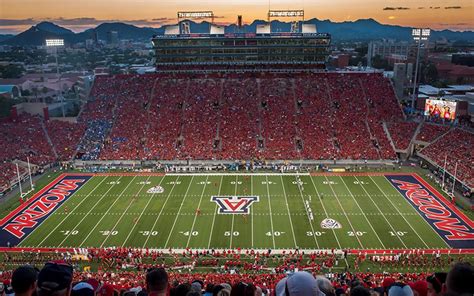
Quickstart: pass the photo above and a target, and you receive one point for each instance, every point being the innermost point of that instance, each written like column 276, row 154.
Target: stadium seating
column 324, row 115
column 402, row 133
column 8, row 175
column 430, row 132
column 457, row 145
column 122, row 270
column 24, row 137
column 65, row 137
column 238, row 126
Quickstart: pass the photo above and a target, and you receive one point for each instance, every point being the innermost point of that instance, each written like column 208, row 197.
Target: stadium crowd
column 456, row 148
column 402, row 133
column 233, row 116
column 294, row 274
column 430, row 132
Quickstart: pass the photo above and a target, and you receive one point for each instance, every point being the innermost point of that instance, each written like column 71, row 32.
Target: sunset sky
column 78, row 15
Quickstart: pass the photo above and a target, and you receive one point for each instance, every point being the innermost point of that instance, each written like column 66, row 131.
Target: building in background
column 112, row 38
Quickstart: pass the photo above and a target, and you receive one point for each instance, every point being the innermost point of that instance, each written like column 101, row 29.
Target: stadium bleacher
column 227, row 116
column 456, row 145
column 402, row 133
column 429, row 132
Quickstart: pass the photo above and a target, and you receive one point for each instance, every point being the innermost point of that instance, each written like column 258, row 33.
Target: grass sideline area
column 273, row 261
column 119, row 210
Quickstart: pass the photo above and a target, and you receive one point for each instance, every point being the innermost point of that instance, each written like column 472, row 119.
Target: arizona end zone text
column 456, row 229
column 27, row 217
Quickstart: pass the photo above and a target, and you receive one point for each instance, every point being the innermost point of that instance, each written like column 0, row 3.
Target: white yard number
column 204, row 183
column 329, row 183
column 108, row 232
column 188, row 233
column 356, row 233
column 399, row 233
column 361, row 182
column 149, row 233
column 144, row 183
column 235, row 233
column 234, row 182
column 268, row 182
column 174, row 182
column 69, row 232
column 114, row 182
column 275, row 233
column 316, row 233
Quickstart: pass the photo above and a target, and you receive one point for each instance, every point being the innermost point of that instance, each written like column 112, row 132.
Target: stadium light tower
column 55, row 43
column 419, row 35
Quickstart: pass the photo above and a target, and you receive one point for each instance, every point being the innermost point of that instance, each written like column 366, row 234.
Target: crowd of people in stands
column 22, row 137
column 60, row 276
column 8, row 175
column 430, row 132
column 402, row 133
column 65, row 137
column 454, row 148
column 261, row 116
column 253, row 115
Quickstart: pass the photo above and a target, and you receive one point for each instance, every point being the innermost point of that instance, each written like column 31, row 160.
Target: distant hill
column 360, row 30
column 4, row 37
column 125, row 31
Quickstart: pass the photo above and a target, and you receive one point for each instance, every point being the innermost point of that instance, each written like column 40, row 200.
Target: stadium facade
column 179, row 47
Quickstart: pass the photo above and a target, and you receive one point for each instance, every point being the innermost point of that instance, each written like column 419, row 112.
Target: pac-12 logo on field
column 329, row 223
column 156, row 189
column 234, row 204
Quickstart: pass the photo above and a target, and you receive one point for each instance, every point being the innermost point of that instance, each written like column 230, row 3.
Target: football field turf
column 366, row 211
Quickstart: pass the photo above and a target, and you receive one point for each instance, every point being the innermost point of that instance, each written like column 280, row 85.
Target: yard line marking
column 67, row 216
column 271, row 215
column 365, row 216
column 325, row 212
column 345, row 214
column 195, row 216
column 409, row 224
column 302, row 199
column 179, row 210
column 383, row 215
column 103, row 216
column 289, row 216
column 90, row 210
column 251, row 211
column 233, row 216
column 215, row 211
column 125, row 211
column 159, row 214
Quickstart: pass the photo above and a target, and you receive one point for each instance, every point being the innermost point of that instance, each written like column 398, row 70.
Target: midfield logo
column 234, row 204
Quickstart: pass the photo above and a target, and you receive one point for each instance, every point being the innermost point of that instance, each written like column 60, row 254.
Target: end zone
column 24, row 219
column 452, row 225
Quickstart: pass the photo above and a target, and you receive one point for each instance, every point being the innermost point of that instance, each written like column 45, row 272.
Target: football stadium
column 240, row 160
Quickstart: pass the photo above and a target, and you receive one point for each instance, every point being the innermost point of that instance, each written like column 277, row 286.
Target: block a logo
column 234, row 204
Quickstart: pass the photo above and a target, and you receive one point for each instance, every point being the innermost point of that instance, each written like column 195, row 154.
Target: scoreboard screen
column 441, row 109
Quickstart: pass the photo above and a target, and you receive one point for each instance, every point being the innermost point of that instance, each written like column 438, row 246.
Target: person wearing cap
column 55, row 279
column 300, row 283
column 24, row 280
column 157, row 282
column 82, row 289
column 399, row 289
column 325, row 286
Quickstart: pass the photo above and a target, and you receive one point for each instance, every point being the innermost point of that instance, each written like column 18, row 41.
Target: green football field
column 123, row 211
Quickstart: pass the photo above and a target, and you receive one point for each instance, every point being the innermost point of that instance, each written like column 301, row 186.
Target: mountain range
column 360, row 30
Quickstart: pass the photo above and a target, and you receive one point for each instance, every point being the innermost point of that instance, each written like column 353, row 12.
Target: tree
column 11, row 71
column 379, row 63
column 430, row 73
